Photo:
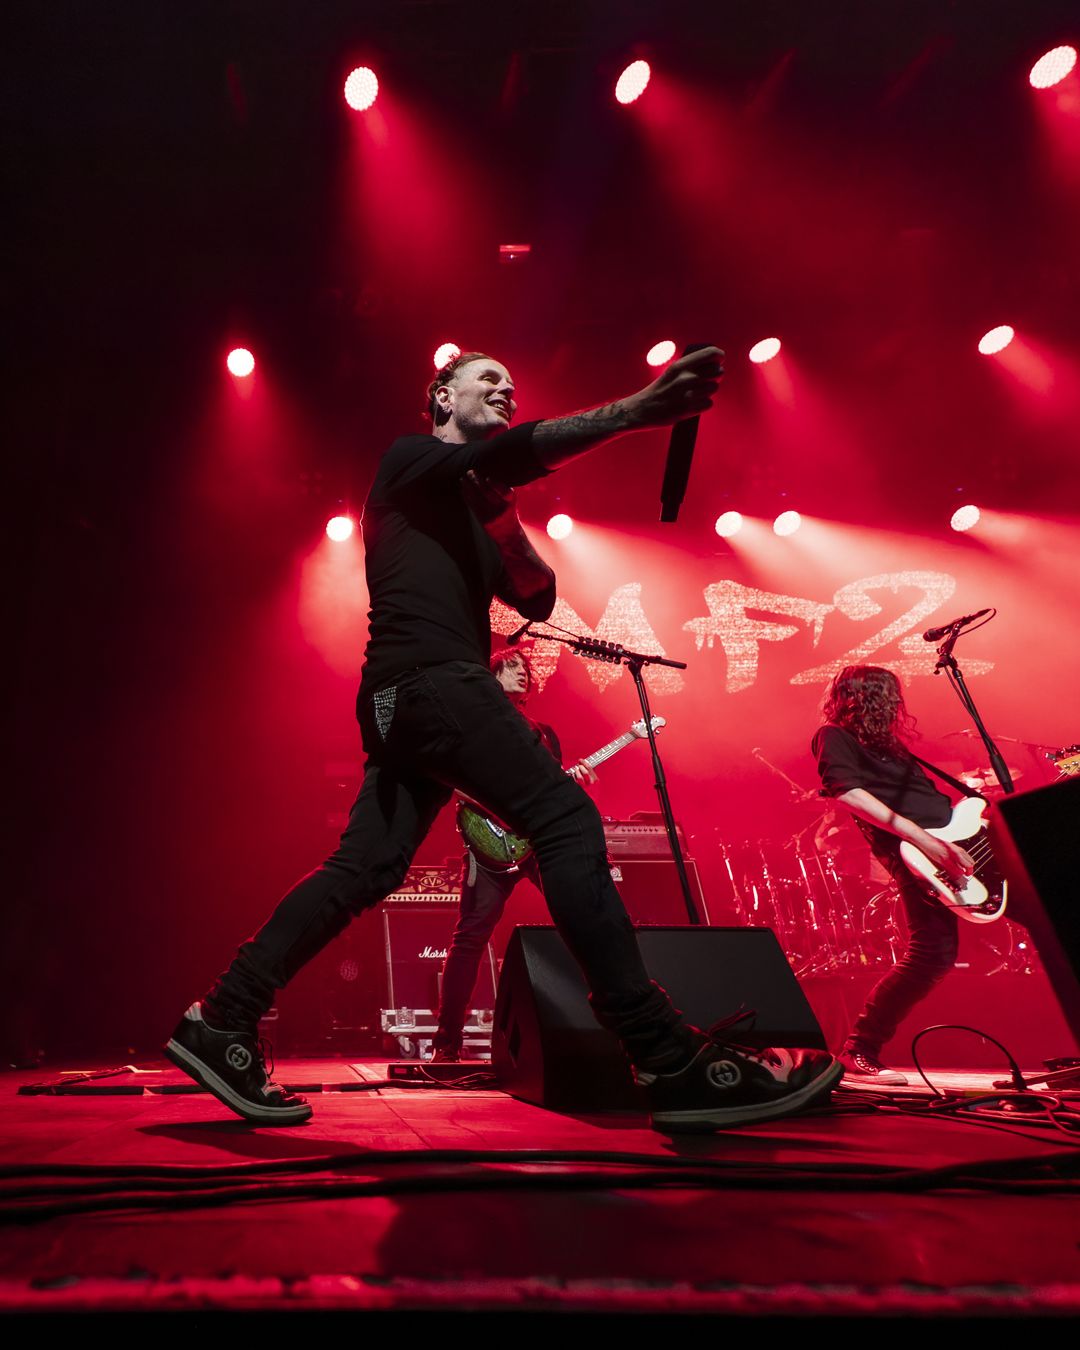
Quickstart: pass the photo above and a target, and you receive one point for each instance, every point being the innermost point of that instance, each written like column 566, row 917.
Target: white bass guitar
column 979, row 898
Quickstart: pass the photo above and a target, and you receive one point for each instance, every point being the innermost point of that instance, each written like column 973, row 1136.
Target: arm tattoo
column 563, row 438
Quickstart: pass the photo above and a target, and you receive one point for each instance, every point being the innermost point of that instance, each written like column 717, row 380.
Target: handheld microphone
column 679, row 457
column 518, row 633
column 936, row 634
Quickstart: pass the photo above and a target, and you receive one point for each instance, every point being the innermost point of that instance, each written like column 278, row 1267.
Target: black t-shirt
column 431, row 569
column 897, row 780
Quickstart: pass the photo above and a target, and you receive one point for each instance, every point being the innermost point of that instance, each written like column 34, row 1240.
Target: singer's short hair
column 508, row 654
column 446, row 374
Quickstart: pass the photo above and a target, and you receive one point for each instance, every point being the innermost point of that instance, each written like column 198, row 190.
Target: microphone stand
column 617, row 654
column 947, row 662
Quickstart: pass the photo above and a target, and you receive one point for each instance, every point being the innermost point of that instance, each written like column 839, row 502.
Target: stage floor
column 412, row 1199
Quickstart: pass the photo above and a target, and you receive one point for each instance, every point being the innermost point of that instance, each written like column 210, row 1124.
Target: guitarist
column 485, row 891
column 865, row 764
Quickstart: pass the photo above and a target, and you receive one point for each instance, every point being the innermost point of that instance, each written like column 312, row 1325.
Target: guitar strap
column 965, row 789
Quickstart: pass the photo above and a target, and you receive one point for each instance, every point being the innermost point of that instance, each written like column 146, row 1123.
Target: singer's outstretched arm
column 685, row 389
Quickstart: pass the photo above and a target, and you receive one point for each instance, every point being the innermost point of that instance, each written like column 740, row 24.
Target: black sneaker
column 727, row 1085
column 862, row 1065
column 445, row 1055
column 231, row 1065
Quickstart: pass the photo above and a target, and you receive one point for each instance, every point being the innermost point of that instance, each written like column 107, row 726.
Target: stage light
column 633, row 82
column 1052, row 68
column 559, row 527
column 445, row 354
column 339, row 528
column 787, row 522
column 661, row 354
column 240, row 362
column 996, row 340
column 965, row 518
column 764, row 350
column 729, row 524
column 361, row 88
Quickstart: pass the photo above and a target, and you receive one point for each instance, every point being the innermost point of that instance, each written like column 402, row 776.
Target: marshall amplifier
column 416, row 932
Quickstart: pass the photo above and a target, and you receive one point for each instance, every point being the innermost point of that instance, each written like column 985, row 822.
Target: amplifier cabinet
column 640, row 839
column 651, row 892
column 416, row 939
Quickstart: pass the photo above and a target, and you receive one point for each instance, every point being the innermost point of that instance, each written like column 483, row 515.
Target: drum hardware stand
column 826, row 930
column 839, row 930
column 617, row 654
column 741, row 909
column 814, row 962
column 947, row 662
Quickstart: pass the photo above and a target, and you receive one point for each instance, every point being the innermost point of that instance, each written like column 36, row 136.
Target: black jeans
column 442, row 727
column 933, row 942
column 484, row 894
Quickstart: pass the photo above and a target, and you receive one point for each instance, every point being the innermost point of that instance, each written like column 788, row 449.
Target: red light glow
column 560, row 527
column 1052, row 68
column 633, row 82
column 965, row 518
column 764, row 350
column 445, row 354
column 361, row 88
column 787, row 522
column 729, row 524
column 661, row 354
column 339, row 528
column 996, row 340
column 240, row 362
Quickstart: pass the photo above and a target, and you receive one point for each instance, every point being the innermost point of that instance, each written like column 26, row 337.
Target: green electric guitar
column 499, row 848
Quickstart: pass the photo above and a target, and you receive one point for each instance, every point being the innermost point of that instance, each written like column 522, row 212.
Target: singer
column 441, row 539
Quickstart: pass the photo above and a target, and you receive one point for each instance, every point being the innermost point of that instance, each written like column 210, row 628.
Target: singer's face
column 479, row 398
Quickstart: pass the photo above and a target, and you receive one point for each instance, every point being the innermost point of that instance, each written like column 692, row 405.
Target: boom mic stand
column 947, row 662
column 617, row 654
column 798, row 792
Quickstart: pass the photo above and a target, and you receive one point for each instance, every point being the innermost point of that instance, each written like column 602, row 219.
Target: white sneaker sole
column 887, row 1079
column 719, row 1118
column 207, row 1078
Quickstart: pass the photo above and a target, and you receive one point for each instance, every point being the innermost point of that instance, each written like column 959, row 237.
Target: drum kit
column 835, row 909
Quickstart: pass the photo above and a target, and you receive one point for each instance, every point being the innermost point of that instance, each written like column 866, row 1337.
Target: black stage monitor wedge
column 1036, row 837
column 547, row 1047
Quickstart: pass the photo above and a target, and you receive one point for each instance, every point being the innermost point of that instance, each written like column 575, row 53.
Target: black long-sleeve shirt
column 432, row 570
column 897, row 780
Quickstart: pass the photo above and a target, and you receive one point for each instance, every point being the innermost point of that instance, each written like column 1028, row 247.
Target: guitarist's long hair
column 508, row 654
column 868, row 702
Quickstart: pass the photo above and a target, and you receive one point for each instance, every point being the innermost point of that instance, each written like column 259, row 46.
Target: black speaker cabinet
column 1036, row 837
column 548, row 1048
column 651, row 892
